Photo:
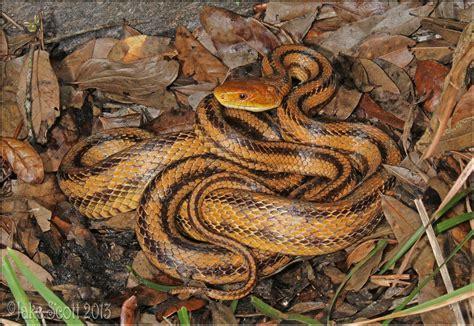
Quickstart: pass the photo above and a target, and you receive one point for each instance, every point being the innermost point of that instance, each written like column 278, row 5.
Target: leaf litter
column 405, row 67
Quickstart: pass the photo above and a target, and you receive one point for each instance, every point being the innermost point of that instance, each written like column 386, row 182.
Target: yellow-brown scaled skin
column 191, row 178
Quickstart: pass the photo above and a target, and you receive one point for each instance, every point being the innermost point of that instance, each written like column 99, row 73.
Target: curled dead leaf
column 227, row 27
column 360, row 252
column 429, row 80
column 94, row 49
column 23, row 159
column 139, row 47
column 197, row 61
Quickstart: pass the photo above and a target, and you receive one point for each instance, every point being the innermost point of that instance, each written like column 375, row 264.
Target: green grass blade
column 266, row 309
column 380, row 246
column 273, row 313
column 430, row 277
column 24, row 304
column 452, row 222
column 453, row 202
column 63, row 311
column 233, row 305
column 183, row 316
column 150, row 284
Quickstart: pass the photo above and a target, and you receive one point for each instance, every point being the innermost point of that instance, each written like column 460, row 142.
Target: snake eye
column 242, row 96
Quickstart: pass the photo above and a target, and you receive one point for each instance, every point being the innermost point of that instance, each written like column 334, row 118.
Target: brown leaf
column 464, row 107
column 134, row 48
column 343, row 103
column 453, row 89
column 197, row 61
column 438, row 50
column 121, row 118
column 3, row 44
column 43, row 93
column 23, row 159
column 172, row 121
column 393, row 48
column 429, row 80
column 441, row 27
column 351, row 11
column 191, row 304
column 403, row 220
column 41, row 214
column 63, row 136
column 46, row 194
column 373, row 110
column 379, row 78
column 222, row 314
column 299, row 26
column 37, row 270
column 458, row 137
column 142, row 82
column 226, row 27
column 94, row 49
column 360, row 252
column 361, row 277
column 406, row 176
column 11, row 120
column 401, row 20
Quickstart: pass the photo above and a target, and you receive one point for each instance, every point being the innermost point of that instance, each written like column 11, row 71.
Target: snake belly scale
column 240, row 195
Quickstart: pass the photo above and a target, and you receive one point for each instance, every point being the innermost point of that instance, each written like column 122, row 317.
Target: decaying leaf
column 197, row 61
column 142, row 82
column 226, row 27
column 464, row 108
column 373, row 110
column 403, row 220
column 353, row 11
column 134, row 48
column 37, row 270
column 343, row 103
column 360, row 252
column 41, row 214
column 24, row 160
column 38, row 101
column 429, row 80
column 393, row 48
column 94, row 49
column 3, row 44
column 379, row 78
column 46, row 194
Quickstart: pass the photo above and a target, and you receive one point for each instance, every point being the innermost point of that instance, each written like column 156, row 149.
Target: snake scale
column 238, row 196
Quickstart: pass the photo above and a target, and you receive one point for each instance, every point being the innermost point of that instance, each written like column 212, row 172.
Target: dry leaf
column 351, row 11
column 191, row 304
column 406, row 176
column 360, row 252
column 46, row 194
column 63, row 136
column 120, row 118
column 226, row 27
column 41, row 214
column 373, row 110
column 94, row 49
column 438, row 50
column 197, row 61
column 459, row 137
column 128, row 312
column 37, row 270
column 392, row 48
column 464, row 108
column 403, row 220
column 222, row 314
column 142, row 82
column 172, row 121
column 343, row 103
column 44, row 94
column 442, row 27
column 3, row 44
column 24, row 160
column 361, row 277
column 134, row 48
column 379, row 78
column 429, row 80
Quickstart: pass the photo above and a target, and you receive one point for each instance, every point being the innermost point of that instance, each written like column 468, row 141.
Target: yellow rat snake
column 240, row 195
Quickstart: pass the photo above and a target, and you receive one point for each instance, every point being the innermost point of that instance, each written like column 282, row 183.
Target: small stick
column 84, row 31
column 14, row 23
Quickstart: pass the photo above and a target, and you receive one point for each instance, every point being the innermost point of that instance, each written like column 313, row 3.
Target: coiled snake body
column 252, row 192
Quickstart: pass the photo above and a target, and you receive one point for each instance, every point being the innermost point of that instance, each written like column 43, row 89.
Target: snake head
column 254, row 95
